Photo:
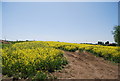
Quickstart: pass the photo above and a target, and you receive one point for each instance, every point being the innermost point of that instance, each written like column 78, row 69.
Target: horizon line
column 59, row 41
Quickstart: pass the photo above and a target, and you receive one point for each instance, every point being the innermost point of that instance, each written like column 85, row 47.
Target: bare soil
column 85, row 65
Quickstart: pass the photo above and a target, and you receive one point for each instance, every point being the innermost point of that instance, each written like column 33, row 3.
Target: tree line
column 116, row 34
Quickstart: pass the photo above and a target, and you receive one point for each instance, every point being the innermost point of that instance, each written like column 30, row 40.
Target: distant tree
column 116, row 33
column 112, row 44
column 107, row 43
column 100, row 43
column 27, row 40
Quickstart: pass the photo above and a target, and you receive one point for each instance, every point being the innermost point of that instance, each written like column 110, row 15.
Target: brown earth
column 87, row 66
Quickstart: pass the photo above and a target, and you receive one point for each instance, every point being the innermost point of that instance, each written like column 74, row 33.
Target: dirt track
column 87, row 66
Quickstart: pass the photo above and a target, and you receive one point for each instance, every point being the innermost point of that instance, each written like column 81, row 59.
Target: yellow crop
column 30, row 59
column 25, row 59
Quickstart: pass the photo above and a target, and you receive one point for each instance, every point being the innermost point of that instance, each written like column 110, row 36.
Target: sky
column 0, row 20
column 60, row 0
column 59, row 21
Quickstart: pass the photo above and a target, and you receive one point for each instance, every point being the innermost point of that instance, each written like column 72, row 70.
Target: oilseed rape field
column 37, row 59
column 28, row 59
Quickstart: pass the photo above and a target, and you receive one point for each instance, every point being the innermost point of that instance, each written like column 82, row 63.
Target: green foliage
column 116, row 33
column 107, row 52
column 35, row 60
column 40, row 76
column 24, row 60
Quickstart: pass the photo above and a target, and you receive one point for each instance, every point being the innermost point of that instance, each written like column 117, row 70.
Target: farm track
column 87, row 66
